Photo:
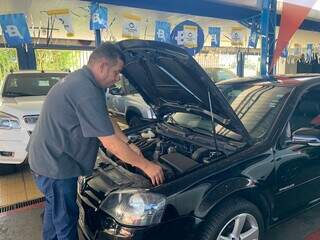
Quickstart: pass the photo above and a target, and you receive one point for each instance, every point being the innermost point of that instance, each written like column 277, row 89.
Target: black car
column 236, row 160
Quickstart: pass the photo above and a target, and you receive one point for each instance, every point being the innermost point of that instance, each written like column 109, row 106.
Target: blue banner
column 215, row 33
column 162, row 31
column 253, row 39
column 188, row 35
column 98, row 17
column 15, row 29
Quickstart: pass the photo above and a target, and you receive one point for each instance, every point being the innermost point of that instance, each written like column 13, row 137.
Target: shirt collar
column 91, row 77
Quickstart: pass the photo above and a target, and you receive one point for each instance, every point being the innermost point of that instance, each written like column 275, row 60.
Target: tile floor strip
column 21, row 205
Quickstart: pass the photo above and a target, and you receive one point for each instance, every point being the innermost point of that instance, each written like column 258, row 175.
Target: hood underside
column 166, row 75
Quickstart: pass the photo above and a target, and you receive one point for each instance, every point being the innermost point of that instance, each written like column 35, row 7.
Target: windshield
column 35, row 84
column 257, row 106
column 220, row 74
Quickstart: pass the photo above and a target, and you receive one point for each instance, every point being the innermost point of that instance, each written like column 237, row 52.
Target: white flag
column 64, row 18
column 131, row 26
column 190, row 36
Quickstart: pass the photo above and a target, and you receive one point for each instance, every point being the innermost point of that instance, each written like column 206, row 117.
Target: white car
column 21, row 97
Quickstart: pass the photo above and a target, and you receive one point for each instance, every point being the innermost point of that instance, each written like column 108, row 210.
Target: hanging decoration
column 309, row 52
column 131, row 26
column 15, row 29
column 297, row 50
column 293, row 14
column 188, row 35
column 63, row 15
column 285, row 53
column 162, row 31
column 253, row 39
column 215, row 33
column 98, row 17
column 237, row 36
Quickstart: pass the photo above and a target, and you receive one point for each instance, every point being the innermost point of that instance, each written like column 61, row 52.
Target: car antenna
column 213, row 122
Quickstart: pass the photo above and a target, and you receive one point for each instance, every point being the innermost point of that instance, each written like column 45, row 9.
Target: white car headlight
column 135, row 207
column 8, row 121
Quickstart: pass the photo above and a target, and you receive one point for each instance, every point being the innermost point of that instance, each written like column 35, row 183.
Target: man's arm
column 118, row 132
column 120, row 149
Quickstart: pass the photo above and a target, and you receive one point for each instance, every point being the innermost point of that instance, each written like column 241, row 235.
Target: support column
column 268, row 27
column 240, row 64
column 97, row 34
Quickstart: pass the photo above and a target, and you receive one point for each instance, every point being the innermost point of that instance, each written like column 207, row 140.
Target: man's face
column 109, row 72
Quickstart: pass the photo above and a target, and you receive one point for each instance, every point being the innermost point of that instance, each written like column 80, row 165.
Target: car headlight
column 8, row 121
column 135, row 207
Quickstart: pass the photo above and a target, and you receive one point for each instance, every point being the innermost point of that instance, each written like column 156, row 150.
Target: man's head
column 106, row 62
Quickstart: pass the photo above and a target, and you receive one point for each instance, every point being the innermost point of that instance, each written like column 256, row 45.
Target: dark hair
column 108, row 51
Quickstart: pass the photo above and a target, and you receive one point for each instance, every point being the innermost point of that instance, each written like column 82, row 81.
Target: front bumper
column 13, row 145
column 91, row 227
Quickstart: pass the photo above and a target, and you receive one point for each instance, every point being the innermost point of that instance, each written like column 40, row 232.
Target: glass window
column 255, row 105
column 35, row 84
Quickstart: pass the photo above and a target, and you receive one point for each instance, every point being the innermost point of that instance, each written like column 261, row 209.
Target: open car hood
column 167, row 76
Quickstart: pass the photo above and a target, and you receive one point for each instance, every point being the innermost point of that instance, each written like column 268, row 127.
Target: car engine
column 175, row 156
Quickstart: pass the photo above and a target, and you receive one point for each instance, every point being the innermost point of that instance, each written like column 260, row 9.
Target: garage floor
column 18, row 187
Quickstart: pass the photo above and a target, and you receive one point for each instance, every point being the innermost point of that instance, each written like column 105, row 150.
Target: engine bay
column 173, row 151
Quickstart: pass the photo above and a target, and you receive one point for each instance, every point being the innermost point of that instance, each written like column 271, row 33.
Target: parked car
column 238, row 157
column 220, row 74
column 123, row 99
column 21, row 96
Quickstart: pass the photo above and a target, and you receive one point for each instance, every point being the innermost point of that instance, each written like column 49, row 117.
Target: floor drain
column 21, row 205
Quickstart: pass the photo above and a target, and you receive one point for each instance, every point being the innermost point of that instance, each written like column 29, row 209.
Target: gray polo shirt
column 64, row 143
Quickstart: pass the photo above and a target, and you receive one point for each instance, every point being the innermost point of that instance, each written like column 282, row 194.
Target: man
column 65, row 141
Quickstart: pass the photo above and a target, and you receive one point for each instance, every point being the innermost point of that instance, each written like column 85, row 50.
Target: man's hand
column 118, row 147
column 154, row 172
column 135, row 149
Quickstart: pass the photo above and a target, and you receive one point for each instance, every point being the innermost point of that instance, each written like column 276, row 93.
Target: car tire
column 6, row 169
column 221, row 222
column 134, row 120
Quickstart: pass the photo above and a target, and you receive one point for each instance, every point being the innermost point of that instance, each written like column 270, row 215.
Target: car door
column 298, row 165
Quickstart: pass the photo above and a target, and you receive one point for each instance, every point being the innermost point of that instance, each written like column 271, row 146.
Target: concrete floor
column 26, row 225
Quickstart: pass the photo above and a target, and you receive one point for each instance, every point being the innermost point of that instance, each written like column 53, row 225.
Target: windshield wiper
column 18, row 94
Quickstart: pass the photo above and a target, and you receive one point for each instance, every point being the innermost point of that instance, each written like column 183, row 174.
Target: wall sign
column 162, row 31
column 98, row 17
column 15, row 29
column 188, row 35
column 215, row 33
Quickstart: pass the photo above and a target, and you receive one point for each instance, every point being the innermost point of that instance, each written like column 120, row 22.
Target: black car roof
column 292, row 80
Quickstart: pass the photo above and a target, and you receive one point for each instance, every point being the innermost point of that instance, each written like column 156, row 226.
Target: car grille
column 31, row 119
column 91, row 217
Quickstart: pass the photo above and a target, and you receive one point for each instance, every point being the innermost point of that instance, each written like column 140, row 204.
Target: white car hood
column 21, row 106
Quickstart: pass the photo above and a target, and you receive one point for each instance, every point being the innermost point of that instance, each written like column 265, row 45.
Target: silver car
column 123, row 99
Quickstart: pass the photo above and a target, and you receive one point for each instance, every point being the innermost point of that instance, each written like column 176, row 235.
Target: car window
column 223, row 74
column 19, row 85
column 220, row 74
column 307, row 112
column 257, row 106
column 129, row 88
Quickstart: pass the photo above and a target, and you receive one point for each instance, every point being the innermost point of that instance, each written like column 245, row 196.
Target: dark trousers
column 61, row 210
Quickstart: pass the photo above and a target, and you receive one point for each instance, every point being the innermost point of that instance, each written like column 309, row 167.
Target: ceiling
column 37, row 17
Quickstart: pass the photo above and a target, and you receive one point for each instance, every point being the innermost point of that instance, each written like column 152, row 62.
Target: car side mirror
column 116, row 91
column 307, row 136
